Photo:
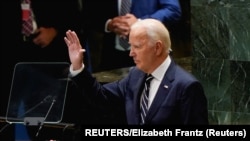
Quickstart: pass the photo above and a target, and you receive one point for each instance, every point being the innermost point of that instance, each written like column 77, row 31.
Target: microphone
column 51, row 105
column 48, row 98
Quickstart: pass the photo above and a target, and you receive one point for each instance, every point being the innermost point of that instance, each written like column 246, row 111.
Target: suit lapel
column 162, row 92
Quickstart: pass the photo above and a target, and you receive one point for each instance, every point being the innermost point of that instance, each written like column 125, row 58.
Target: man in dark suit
column 110, row 24
column 52, row 18
column 175, row 96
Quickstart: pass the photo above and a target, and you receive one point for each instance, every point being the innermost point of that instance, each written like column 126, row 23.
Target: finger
column 69, row 36
column 75, row 37
column 67, row 41
column 82, row 50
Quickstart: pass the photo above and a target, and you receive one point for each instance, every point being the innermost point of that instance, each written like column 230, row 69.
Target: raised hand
column 75, row 49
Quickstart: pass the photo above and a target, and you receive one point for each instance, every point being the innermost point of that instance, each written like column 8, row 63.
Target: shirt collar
column 159, row 72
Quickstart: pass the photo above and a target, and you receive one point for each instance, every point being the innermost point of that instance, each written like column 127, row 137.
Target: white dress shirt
column 158, row 75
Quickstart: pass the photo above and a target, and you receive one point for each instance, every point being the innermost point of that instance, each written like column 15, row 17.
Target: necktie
column 125, row 8
column 144, row 101
column 27, row 26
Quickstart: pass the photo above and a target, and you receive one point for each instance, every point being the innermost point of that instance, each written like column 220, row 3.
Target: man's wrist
column 106, row 26
column 75, row 72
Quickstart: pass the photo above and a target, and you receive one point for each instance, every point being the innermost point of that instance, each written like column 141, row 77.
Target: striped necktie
column 144, row 101
column 125, row 8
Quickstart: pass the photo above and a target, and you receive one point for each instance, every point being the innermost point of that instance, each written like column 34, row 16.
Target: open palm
column 75, row 49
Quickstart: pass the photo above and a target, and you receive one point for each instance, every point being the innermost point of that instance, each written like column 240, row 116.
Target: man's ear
column 158, row 47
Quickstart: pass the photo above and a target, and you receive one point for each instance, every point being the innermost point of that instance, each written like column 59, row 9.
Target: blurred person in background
column 105, row 22
column 43, row 43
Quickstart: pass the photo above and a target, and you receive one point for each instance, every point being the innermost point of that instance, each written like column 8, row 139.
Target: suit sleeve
column 167, row 11
column 110, row 93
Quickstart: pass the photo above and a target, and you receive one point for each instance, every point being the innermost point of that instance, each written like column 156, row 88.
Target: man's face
column 141, row 51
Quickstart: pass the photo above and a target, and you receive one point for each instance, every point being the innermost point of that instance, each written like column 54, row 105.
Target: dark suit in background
column 59, row 14
column 167, row 11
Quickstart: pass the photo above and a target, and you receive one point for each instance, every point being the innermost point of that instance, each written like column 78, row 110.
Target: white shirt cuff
column 106, row 26
column 75, row 72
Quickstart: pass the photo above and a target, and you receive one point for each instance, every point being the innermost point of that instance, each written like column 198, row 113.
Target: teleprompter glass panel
column 38, row 92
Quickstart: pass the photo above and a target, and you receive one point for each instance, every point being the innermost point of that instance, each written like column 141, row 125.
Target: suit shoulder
column 184, row 75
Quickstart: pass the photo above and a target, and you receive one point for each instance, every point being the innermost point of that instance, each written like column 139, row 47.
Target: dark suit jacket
column 180, row 98
column 60, row 14
column 167, row 11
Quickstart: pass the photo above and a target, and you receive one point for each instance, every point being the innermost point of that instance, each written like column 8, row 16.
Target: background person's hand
column 45, row 36
column 119, row 26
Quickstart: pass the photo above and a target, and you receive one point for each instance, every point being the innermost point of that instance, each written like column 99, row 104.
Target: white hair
column 155, row 30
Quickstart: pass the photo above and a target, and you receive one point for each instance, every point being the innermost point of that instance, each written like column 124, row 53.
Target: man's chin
column 137, row 66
